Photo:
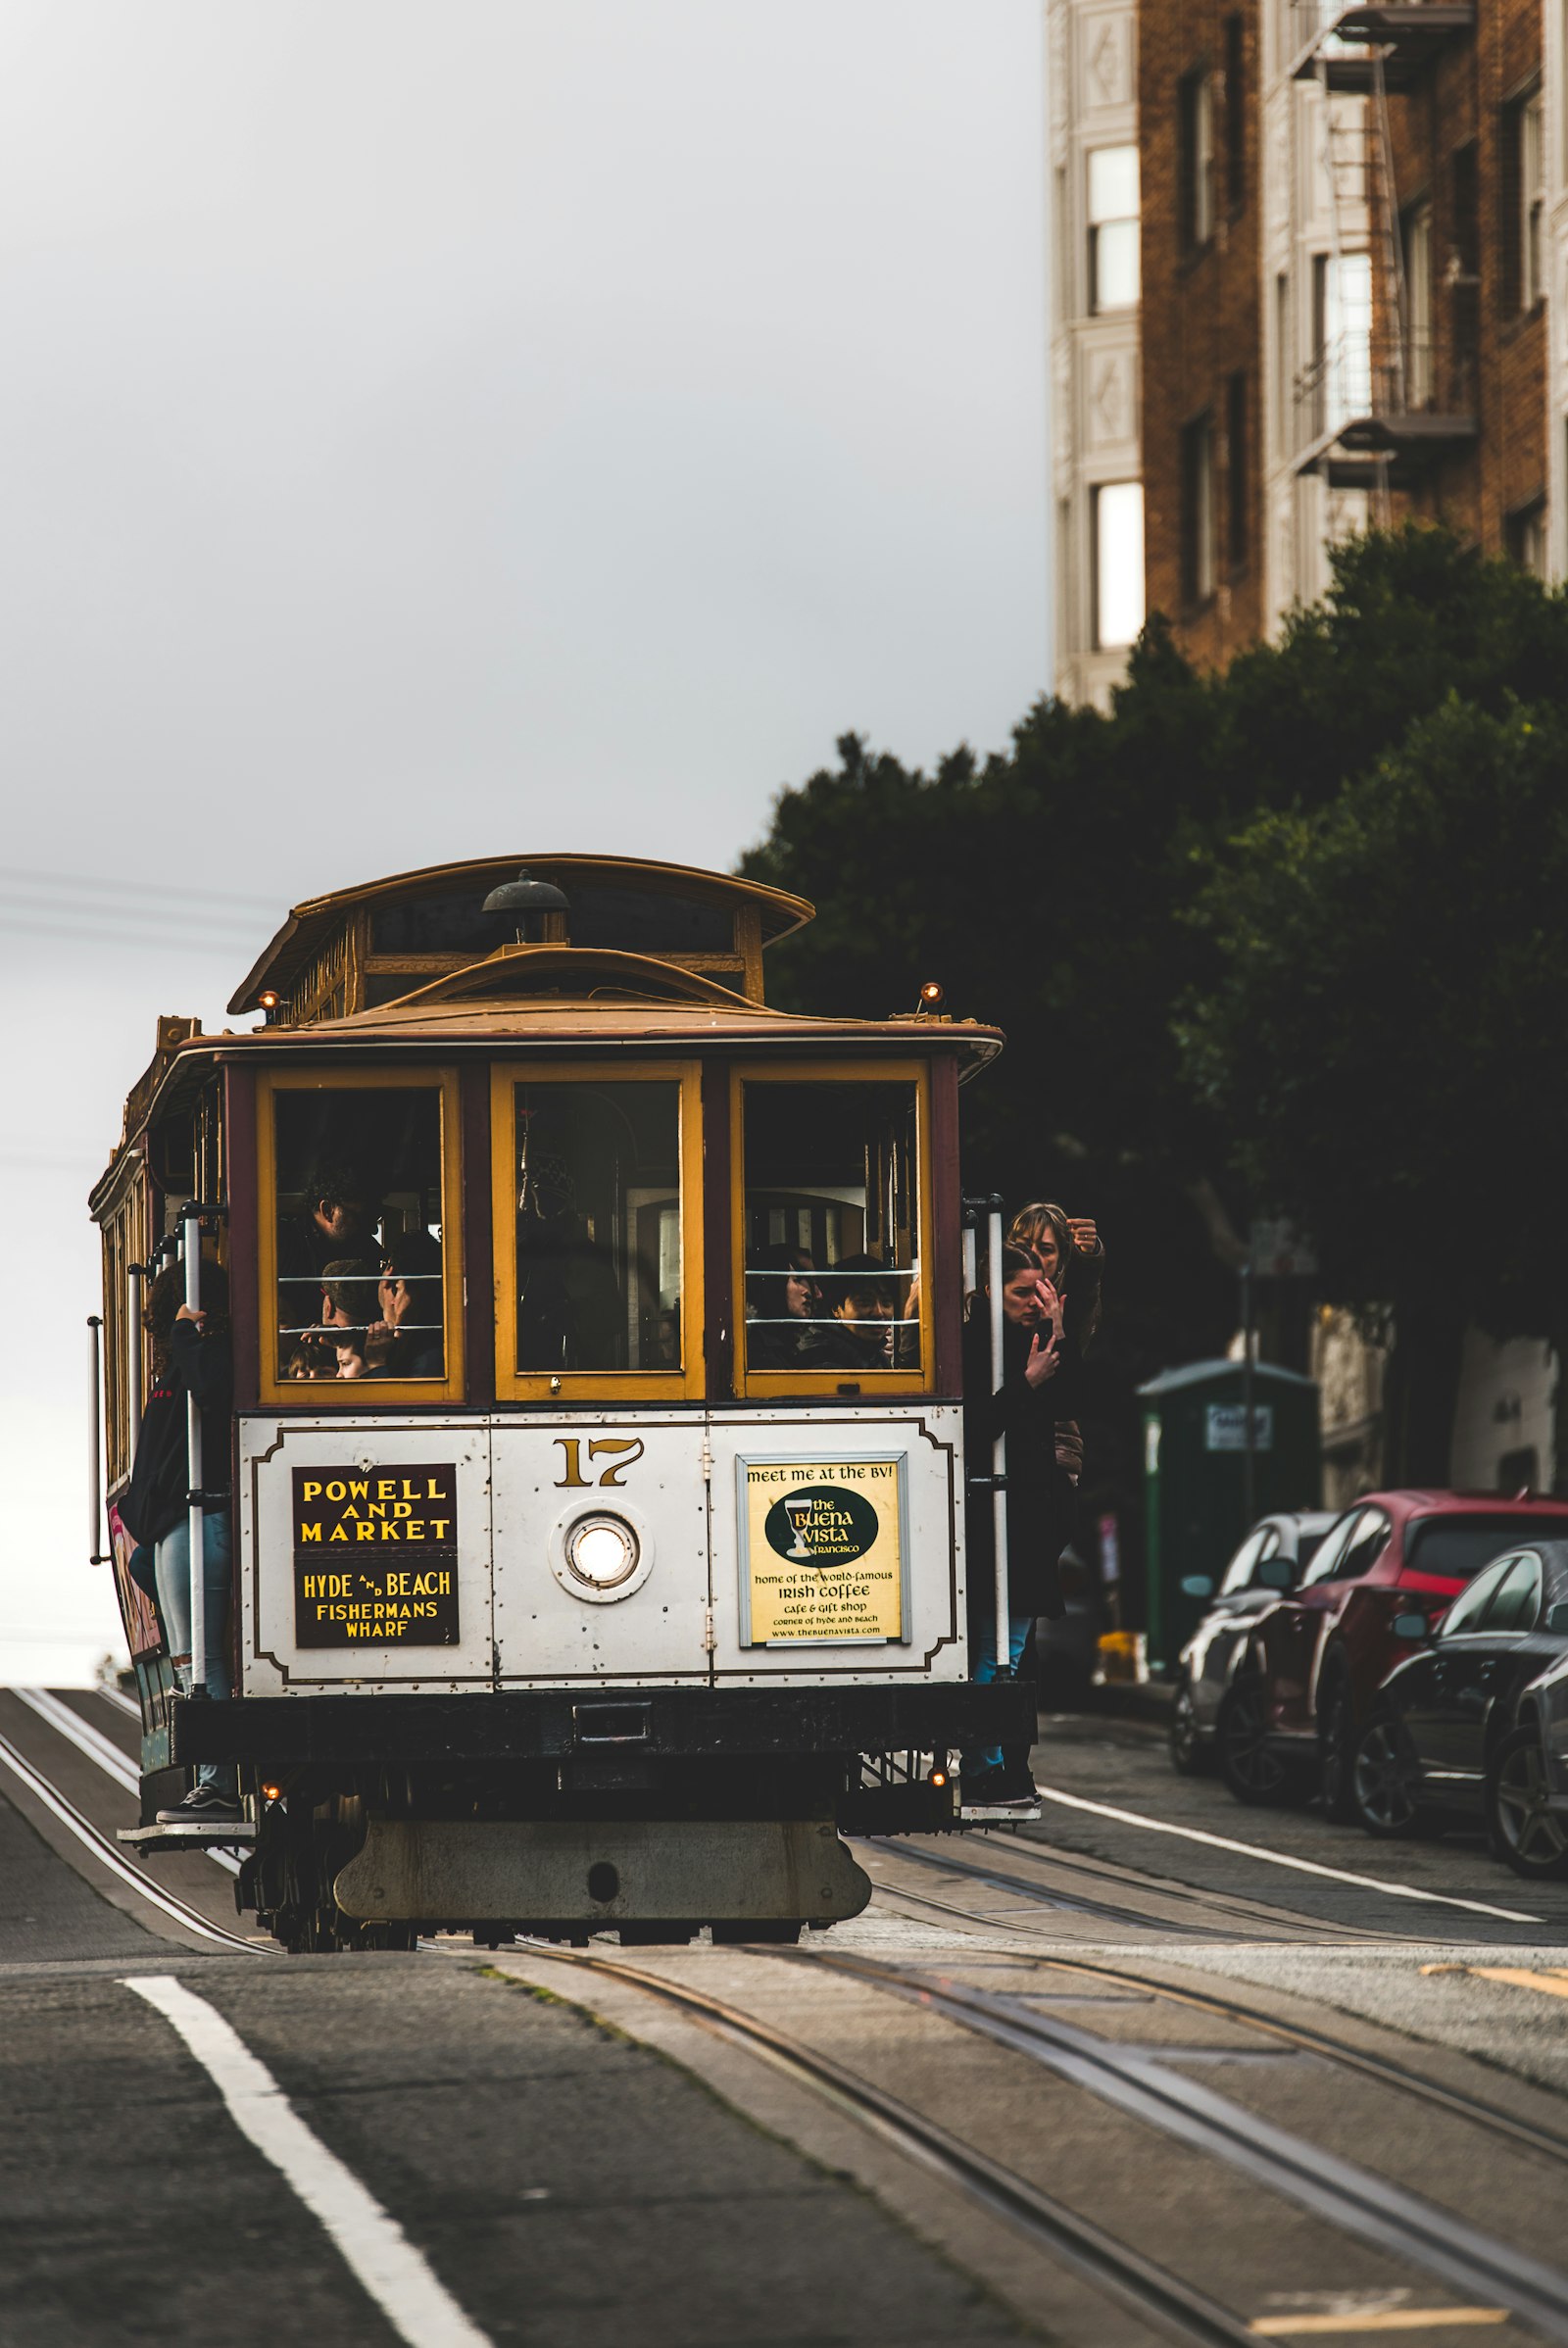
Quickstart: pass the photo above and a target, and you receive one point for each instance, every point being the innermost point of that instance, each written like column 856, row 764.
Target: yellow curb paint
column 1379, row 2318
column 1550, row 1979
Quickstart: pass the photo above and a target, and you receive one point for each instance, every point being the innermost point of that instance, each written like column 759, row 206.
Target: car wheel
column 1533, row 1839
column 1383, row 1775
column 1249, row 1764
column 1336, row 1750
column 1188, row 1752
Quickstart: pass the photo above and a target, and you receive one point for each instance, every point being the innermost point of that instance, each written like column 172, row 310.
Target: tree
column 1380, row 1037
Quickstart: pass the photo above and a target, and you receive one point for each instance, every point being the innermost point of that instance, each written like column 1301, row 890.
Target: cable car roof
column 743, row 917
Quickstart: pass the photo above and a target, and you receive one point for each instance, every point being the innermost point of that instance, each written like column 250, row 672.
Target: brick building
column 1352, row 226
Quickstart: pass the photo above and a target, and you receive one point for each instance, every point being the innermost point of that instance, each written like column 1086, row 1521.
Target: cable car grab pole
column 133, row 1274
column 999, row 1450
column 95, row 1450
column 190, row 1231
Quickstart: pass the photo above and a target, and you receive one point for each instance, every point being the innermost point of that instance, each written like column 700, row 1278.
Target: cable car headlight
column 602, row 1551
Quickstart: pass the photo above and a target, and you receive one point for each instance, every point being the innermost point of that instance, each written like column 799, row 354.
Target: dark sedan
column 1271, row 1559
column 1441, row 1715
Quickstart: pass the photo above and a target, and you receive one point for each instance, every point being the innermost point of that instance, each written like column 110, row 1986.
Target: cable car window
column 596, row 1200
column 831, row 1228
column 359, row 1258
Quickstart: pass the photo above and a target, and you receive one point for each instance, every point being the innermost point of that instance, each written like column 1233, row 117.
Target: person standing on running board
column 190, row 1355
column 1023, row 1408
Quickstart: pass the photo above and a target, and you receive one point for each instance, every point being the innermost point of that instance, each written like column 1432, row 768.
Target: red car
column 1317, row 1658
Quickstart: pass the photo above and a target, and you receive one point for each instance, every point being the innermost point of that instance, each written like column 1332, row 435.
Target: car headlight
column 602, row 1551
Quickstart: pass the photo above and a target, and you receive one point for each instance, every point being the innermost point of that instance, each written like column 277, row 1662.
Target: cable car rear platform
column 572, row 1726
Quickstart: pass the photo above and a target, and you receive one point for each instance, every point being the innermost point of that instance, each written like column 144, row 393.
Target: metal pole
column 95, row 1446
column 1249, row 1428
column 999, row 1450
column 133, row 1273
column 192, row 1236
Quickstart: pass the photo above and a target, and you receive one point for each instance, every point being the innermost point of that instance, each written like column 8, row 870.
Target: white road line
column 107, row 1857
column 120, row 1701
column 1253, row 1850
column 98, row 1747
column 419, row 2308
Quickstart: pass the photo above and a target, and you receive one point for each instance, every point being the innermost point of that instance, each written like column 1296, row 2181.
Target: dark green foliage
column 1292, row 934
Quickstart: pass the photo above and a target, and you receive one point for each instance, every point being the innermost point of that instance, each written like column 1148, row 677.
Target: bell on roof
column 526, row 900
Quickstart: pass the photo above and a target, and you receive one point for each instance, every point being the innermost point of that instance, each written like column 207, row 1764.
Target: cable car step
column 218, row 1835
column 999, row 1813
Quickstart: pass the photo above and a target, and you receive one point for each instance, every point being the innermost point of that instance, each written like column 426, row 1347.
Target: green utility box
column 1194, row 1479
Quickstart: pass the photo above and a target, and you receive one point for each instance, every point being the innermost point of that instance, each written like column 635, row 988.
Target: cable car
column 595, row 1473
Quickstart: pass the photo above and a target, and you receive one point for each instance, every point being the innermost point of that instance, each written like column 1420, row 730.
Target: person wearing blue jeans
column 191, row 1362
column 217, row 1779
column 983, row 1670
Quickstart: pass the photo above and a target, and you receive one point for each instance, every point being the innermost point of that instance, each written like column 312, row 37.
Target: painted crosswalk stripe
column 419, row 2309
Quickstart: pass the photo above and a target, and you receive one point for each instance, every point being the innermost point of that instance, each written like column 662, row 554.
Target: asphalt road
column 1322, row 2104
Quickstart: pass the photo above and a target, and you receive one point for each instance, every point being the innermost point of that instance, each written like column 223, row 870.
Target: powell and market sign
column 375, row 1557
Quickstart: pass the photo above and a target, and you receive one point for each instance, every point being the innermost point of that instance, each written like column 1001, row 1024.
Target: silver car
column 1273, row 1557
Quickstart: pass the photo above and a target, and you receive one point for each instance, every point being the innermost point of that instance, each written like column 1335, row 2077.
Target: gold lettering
column 338, row 1533
column 573, row 1479
column 337, row 1491
column 386, row 1487
column 311, row 1492
column 310, row 1531
column 403, row 1508
column 616, row 1442
column 362, row 1532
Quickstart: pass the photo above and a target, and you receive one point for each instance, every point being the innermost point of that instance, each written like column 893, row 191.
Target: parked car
column 1271, row 1559
column 1440, row 1716
column 1315, row 1659
column 1526, row 1798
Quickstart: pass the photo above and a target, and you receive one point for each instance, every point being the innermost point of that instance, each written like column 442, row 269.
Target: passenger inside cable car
column 831, row 1225
column 357, row 1179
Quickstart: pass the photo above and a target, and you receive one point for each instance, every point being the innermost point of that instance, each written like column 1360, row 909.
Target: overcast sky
column 432, row 431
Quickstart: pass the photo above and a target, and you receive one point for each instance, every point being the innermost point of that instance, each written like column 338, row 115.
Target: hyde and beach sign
column 822, row 1550
column 375, row 1557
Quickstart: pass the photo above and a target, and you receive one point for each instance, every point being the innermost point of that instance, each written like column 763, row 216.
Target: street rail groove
column 1268, row 1858
column 1071, row 1902
column 378, row 2252
column 1300, row 2034
column 1238, row 1903
column 100, row 1749
column 109, row 1859
column 1111, row 2265
column 1137, row 2081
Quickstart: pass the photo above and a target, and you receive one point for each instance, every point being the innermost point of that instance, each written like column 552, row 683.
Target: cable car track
column 1076, row 1903
column 1381, row 2067
column 1139, row 2282
column 112, row 1859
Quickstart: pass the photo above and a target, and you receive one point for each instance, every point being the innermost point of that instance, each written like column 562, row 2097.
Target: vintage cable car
column 596, row 1466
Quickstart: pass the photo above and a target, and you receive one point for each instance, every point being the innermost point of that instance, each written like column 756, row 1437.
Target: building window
column 1283, row 403
column 1066, row 291
column 1195, row 126
column 1340, row 373
column 1112, row 228
column 1118, row 544
column 1235, row 113
column 1236, row 472
column 1197, row 510
column 1416, row 239
column 1532, row 199
column 1524, row 537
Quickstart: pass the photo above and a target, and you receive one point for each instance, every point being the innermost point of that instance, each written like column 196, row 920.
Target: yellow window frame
column 830, row 1382
column 370, row 1393
column 685, row 1384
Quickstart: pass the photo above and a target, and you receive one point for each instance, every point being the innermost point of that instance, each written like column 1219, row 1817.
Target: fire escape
column 1385, row 396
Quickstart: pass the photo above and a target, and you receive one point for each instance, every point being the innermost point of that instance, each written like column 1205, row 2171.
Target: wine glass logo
column 798, row 1508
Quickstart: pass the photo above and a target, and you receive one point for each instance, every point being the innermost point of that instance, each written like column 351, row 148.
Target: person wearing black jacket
column 1037, row 1379
column 191, row 1356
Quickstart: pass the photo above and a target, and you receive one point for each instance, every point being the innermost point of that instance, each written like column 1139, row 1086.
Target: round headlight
column 602, row 1551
